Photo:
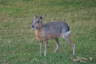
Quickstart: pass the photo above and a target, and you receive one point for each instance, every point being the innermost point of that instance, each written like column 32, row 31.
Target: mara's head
column 36, row 22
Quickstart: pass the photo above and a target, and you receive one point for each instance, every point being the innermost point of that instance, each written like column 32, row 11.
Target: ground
column 17, row 40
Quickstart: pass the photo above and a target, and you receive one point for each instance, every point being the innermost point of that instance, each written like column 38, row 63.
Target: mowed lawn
column 17, row 40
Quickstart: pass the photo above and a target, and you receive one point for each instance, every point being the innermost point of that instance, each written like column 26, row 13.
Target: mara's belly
column 43, row 36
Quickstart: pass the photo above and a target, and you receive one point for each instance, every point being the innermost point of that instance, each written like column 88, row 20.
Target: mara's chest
column 38, row 34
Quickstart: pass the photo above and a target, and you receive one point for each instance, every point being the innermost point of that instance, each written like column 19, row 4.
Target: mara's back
column 54, row 29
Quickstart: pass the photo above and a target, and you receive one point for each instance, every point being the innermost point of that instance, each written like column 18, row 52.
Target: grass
column 17, row 41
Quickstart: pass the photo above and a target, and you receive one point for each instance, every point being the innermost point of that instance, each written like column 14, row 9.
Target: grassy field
column 17, row 41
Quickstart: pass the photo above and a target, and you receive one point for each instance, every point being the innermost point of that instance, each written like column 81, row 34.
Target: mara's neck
column 38, row 33
column 39, row 26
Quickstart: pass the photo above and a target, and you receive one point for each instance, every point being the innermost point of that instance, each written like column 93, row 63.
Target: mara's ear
column 35, row 16
column 39, row 17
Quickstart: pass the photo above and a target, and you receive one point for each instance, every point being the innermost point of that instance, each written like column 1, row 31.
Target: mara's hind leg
column 72, row 45
column 57, row 45
column 67, row 37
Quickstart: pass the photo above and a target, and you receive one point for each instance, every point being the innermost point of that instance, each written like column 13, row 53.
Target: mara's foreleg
column 45, row 47
column 57, row 45
column 41, row 45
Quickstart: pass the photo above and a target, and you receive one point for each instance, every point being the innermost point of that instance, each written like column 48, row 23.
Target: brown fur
column 38, row 35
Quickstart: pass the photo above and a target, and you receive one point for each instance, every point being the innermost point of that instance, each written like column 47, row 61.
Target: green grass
column 17, row 40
